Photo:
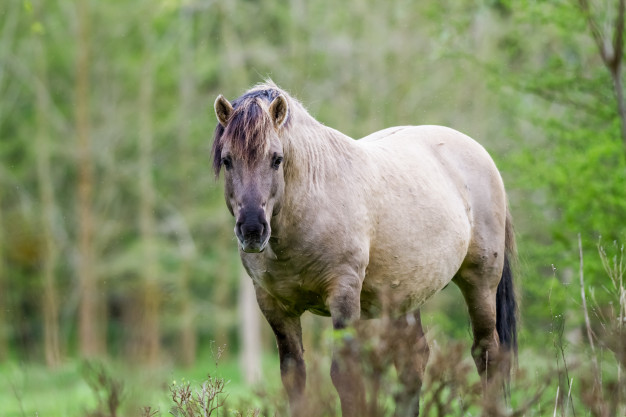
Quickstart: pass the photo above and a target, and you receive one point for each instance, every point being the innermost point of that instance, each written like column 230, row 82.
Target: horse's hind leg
column 410, row 355
column 478, row 282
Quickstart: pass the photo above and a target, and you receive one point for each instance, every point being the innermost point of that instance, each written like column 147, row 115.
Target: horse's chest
column 294, row 289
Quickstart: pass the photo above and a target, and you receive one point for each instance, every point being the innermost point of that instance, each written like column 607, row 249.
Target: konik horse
column 342, row 227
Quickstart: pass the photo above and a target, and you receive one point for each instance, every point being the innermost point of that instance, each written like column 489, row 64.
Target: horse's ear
column 279, row 110
column 223, row 110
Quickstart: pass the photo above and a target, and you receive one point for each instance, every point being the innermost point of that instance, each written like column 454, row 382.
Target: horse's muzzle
column 253, row 247
column 253, row 233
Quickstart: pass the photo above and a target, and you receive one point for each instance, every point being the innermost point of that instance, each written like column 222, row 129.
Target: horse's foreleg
column 345, row 309
column 288, row 332
column 410, row 355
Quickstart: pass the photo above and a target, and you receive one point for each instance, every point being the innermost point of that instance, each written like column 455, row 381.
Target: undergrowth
column 585, row 376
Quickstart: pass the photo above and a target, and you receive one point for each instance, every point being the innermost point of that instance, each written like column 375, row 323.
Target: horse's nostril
column 238, row 231
column 251, row 226
column 252, row 230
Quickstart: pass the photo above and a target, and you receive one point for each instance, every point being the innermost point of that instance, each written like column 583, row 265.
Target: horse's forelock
column 248, row 128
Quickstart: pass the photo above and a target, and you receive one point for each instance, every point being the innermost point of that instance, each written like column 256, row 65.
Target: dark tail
column 506, row 305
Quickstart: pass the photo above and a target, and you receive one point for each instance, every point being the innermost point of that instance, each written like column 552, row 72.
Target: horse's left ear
column 279, row 110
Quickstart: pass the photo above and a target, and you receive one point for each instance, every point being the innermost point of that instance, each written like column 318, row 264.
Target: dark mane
column 248, row 126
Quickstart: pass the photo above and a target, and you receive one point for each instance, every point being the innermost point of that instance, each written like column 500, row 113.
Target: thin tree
column 188, row 338
column 4, row 341
column 91, row 342
column 50, row 308
column 249, row 330
column 9, row 24
column 150, row 341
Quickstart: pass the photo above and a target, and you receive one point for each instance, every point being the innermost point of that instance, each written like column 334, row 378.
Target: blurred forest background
column 114, row 238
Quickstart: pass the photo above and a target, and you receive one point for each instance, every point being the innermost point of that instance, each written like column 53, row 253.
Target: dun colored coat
column 346, row 228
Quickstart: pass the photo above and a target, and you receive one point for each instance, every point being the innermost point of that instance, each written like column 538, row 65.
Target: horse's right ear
column 223, row 110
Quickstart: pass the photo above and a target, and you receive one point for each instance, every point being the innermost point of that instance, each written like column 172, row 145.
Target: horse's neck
column 317, row 154
column 315, row 157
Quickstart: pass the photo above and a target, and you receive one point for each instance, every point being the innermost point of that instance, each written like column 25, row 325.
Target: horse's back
column 436, row 186
column 408, row 138
column 435, row 151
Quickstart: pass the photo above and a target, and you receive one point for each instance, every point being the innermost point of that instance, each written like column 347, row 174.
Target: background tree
column 186, row 91
column 149, row 342
column 4, row 322
column 90, row 314
column 50, row 304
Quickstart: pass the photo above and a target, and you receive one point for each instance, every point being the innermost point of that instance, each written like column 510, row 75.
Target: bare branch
column 595, row 30
column 618, row 38
column 612, row 59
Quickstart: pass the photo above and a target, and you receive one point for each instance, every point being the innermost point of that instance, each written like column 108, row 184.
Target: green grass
column 34, row 390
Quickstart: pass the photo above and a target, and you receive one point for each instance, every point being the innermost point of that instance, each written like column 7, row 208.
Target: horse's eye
column 277, row 161
column 227, row 163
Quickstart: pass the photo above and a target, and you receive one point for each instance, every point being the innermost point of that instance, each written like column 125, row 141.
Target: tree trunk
column 221, row 289
column 151, row 336
column 6, row 40
column 50, row 308
column 249, row 331
column 188, row 338
column 91, row 340
column 4, row 327
column 615, row 67
column 618, row 87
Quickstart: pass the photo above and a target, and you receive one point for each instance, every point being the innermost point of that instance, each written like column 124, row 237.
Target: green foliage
column 569, row 170
column 524, row 78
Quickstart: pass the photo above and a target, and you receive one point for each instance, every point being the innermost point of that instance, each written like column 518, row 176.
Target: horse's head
column 248, row 148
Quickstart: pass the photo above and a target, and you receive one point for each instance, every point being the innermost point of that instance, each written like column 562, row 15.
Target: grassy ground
column 33, row 390
column 561, row 378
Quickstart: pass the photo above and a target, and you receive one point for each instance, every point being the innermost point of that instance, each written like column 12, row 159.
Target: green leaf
column 37, row 28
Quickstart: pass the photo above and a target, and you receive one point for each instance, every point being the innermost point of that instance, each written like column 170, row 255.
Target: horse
column 342, row 227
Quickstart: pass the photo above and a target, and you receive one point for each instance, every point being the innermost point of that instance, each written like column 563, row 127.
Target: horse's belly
column 406, row 271
column 406, row 290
